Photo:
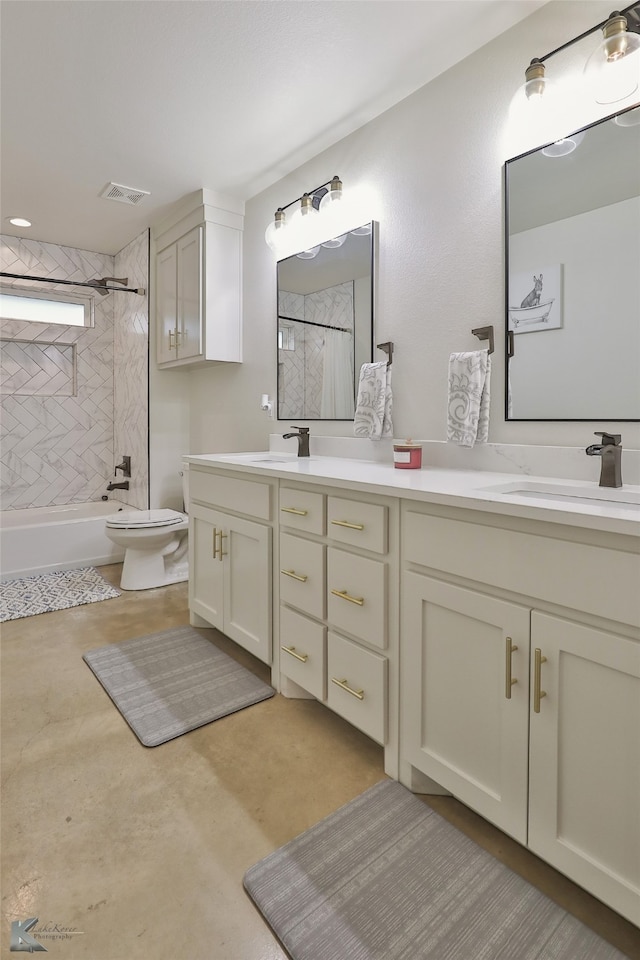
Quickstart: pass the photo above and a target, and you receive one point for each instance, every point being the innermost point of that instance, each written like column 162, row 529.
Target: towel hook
column 484, row 333
column 388, row 349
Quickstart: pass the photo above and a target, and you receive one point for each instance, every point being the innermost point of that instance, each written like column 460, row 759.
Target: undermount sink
column 623, row 497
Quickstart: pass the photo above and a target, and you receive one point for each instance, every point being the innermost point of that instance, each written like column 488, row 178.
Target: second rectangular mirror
column 325, row 327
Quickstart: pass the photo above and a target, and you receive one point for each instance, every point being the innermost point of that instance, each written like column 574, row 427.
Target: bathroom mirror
column 325, row 327
column 572, row 281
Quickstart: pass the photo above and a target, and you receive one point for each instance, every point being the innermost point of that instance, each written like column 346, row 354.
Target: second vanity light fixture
column 324, row 217
column 612, row 70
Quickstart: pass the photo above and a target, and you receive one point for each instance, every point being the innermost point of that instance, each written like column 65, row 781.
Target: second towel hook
column 485, row 333
column 388, row 349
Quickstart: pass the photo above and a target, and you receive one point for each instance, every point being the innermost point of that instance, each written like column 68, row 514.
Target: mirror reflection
column 573, row 296
column 325, row 328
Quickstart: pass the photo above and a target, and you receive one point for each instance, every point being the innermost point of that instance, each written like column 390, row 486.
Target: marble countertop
column 572, row 502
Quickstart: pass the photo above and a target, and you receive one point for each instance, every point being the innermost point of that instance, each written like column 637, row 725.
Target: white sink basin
column 561, row 491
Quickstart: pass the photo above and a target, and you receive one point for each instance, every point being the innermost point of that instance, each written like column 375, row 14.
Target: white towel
column 468, row 402
column 373, row 408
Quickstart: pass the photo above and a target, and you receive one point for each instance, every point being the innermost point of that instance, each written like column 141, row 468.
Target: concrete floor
column 140, row 852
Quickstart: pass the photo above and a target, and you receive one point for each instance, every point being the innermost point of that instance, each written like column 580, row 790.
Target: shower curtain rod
column 99, row 285
column 310, row 323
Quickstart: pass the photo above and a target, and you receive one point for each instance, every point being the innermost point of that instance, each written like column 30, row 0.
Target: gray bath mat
column 387, row 878
column 46, row 592
column 166, row 684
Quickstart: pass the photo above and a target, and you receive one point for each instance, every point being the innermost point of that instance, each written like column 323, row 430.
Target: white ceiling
column 173, row 95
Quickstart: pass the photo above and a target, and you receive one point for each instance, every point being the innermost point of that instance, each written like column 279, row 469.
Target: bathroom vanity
column 484, row 628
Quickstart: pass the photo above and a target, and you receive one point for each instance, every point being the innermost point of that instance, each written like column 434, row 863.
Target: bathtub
column 43, row 539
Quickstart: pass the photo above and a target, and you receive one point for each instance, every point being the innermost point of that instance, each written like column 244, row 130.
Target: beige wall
column 436, row 161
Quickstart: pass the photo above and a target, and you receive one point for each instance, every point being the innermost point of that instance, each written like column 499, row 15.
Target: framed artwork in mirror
column 541, row 306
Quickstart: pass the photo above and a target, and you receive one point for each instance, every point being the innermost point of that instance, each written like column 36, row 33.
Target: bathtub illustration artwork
column 536, row 310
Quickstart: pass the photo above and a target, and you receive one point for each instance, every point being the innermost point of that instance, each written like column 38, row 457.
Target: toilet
column 155, row 544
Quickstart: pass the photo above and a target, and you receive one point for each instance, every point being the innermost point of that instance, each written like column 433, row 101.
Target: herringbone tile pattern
column 131, row 370
column 57, row 432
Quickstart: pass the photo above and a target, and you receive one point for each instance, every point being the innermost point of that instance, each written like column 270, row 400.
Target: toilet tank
column 185, row 486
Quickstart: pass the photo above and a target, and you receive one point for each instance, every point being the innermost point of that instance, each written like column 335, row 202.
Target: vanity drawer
column 302, row 510
column 302, row 574
column 303, row 652
column 357, row 685
column 359, row 524
column 230, row 493
column 357, row 596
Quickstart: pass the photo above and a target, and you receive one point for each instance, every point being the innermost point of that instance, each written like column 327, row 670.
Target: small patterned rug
column 52, row 591
column 168, row 683
column 387, row 878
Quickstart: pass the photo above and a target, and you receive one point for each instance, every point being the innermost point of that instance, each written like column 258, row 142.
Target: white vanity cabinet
column 198, row 284
column 230, row 557
column 338, row 606
column 520, row 687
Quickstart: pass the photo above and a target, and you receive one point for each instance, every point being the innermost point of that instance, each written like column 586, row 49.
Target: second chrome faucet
column 610, row 452
column 303, row 440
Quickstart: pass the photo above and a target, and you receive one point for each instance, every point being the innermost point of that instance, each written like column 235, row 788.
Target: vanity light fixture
column 613, row 69
column 323, row 217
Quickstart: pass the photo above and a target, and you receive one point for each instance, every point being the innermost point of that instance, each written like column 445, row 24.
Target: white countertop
column 536, row 498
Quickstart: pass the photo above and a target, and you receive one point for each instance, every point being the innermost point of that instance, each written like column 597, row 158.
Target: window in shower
column 49, row 307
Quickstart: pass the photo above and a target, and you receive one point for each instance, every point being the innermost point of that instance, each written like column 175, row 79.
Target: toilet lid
column 137, row 519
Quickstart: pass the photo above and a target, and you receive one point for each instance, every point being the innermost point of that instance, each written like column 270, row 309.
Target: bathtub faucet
column 118, row 486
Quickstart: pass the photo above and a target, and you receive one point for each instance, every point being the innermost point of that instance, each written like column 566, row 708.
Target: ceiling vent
column 116, row 191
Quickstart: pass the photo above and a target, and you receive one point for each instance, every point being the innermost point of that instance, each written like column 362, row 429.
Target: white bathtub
column 43, row 539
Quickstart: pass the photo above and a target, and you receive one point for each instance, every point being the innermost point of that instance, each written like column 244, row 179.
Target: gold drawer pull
column 508, row 679
column 538, row 694
column 345, row 686
column 215, row 548
column 298, row 513
column 223, row 536
column 345, row 596
column 351, row 526
column 302, row 657
column 296, row 576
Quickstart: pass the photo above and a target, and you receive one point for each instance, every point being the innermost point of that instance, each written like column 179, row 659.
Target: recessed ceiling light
column 19, row 221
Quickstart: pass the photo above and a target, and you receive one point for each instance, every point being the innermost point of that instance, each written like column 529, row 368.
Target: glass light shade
column 308, row 254
column 302, row 226
column 335, row 241
column 274, row 233
column 613, row 69
column 564, row 146
column 362, row 231
column 630, row 118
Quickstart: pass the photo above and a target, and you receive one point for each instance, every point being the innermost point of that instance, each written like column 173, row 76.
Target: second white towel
column 469, row 396
column 373, row 408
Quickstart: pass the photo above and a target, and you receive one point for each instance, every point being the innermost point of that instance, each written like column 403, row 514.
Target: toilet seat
column 144, row 519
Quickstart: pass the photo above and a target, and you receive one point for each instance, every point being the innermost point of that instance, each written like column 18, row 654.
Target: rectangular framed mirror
column 572, row 276
column 325, row 327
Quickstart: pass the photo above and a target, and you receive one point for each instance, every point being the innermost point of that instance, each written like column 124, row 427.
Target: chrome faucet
column 610, row 451
column 303, row 440
column 118, row 486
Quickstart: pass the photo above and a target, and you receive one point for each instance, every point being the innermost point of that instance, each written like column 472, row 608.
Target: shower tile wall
column 300, row 370
column 131, row 370
column 57, row 423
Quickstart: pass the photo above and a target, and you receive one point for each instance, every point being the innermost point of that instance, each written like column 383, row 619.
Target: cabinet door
column 190, row 294
column 584, row 814
column 205, row 570
column 246, row 549
column 166, row 303
column 463, row 724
